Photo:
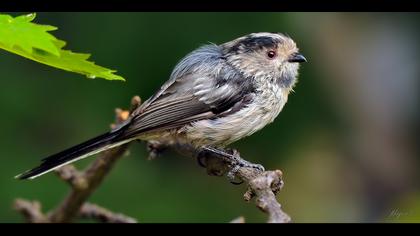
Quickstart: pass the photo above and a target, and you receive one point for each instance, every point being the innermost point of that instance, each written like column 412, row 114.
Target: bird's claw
column 234, row 159
column 238, row 161
column 256, row 166
column 231, row 175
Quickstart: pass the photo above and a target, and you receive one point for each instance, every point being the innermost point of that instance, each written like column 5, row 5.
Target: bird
column 215, row 95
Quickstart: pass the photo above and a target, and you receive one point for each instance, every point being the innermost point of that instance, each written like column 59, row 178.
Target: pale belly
column 225, row 130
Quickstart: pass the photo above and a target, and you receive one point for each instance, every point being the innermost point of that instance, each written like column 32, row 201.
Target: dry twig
column 262, row 185
column 82, row 185
column 96, row 212
column 30, row 210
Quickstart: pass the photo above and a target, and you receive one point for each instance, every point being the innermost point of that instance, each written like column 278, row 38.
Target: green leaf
column 33, row 41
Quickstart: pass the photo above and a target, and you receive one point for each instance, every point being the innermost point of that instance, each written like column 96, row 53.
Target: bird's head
column 271, row 57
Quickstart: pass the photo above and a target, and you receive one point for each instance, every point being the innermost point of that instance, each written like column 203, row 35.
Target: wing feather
column 202, row 86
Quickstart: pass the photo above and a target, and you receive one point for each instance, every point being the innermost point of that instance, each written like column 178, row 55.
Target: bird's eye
column 271, row 54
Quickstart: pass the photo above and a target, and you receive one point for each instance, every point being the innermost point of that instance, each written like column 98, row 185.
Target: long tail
column 83, row 150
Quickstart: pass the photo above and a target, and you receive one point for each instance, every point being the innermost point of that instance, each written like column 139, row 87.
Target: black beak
column 297, row 57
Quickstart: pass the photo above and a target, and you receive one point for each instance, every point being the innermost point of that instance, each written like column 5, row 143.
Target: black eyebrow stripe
column 253, row 43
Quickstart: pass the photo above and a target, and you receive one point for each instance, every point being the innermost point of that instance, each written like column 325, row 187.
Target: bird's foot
column 232, row 157
column 240, row 163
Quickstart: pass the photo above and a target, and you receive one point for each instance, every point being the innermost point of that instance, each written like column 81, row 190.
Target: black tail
column 85, row 149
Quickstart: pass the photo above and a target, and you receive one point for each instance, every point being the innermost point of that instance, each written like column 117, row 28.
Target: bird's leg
column 234, row 160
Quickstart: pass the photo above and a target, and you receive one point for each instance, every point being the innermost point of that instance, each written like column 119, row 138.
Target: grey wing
column 205, row 59
column 202, row 86
column 186, row 100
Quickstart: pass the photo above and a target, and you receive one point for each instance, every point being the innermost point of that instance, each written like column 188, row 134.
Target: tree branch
column 238, row 220
column 101, row 214
column 33, row 214
column 30, row 210
column 83, row 184
column 262, row 185
column 86, row 184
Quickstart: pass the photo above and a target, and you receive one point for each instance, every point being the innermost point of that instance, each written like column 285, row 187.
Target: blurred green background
column 347, row 141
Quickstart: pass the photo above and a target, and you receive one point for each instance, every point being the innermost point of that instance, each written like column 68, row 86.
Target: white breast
column 225, row 130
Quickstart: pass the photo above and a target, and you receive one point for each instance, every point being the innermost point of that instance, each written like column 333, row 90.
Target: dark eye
column 271, row 54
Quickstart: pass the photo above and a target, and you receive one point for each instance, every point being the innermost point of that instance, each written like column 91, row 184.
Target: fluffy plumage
column 215, row 95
